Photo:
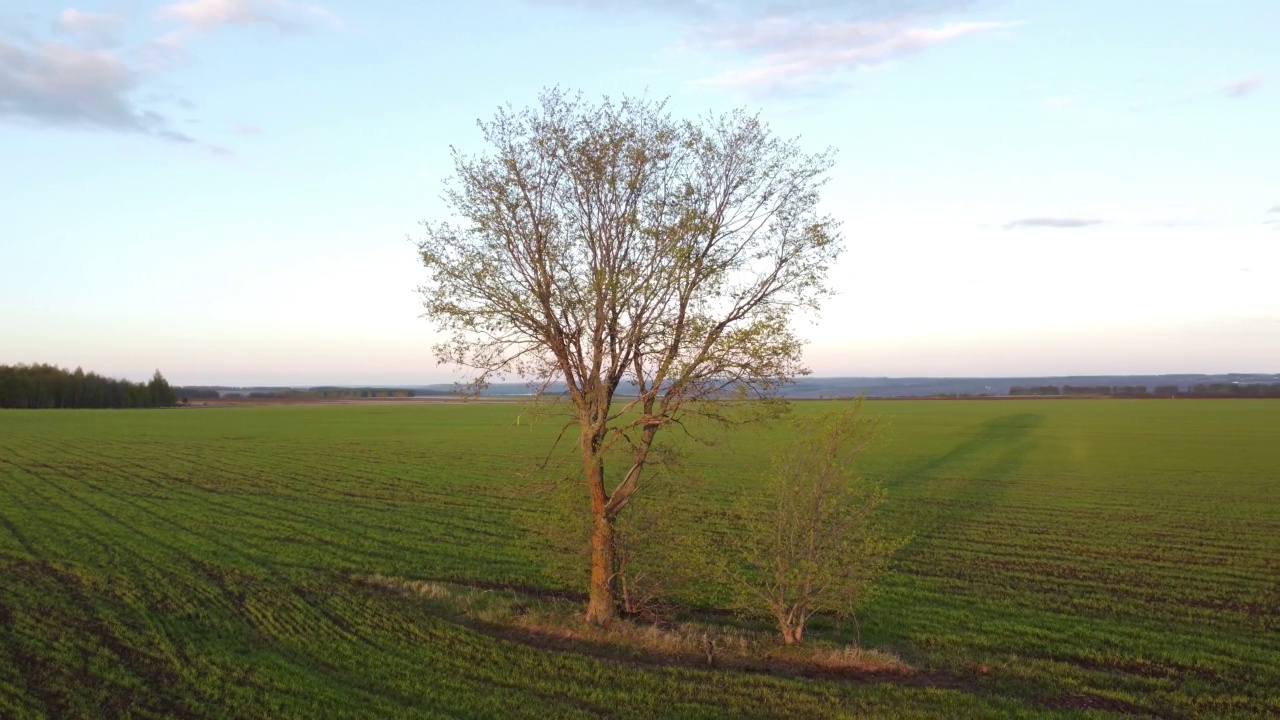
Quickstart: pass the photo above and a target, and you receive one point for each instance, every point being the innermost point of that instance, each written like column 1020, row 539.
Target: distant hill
column 886, row 387
column 815, row 387
column 201, row 392
column 803, row 388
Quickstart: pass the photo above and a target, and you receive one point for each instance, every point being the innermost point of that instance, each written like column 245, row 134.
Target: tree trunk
column 792, row 632
column 602, row 603
column 602, row 600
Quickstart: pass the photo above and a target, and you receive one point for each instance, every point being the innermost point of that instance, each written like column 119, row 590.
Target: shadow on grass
column 970, row 477
column 994, row 452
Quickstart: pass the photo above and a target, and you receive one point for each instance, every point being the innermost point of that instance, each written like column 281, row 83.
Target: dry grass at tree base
column 541, row 622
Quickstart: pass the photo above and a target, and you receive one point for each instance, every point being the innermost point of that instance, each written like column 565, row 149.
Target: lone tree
column 610, row 245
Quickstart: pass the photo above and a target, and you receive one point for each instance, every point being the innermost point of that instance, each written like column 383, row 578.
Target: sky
column 227, row 190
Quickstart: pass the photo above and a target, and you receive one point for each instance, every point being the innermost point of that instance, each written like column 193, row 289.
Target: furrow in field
column 280, row 621
column 299, row 522
column 188, row 508
column 321, row 481
column 133, row 549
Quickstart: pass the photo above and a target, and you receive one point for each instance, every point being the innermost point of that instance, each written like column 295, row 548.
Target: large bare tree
column 651, row 265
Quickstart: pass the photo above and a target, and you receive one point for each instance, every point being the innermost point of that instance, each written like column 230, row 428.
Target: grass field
column 1071, row 558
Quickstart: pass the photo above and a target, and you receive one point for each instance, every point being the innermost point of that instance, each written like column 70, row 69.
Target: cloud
column 56, row 83
column 1052, row 222
column 862, row 9
column 205, row 15
column 78, row 77
column 1275, row 209
column 1241, row 88
column 92, row 28
column 1181, row 223
column 787, row 46
column 788, row 53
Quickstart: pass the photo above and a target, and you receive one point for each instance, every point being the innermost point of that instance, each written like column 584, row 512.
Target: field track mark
column 333, row 476
column 305, row 478
column 274, row 609
column 342, row 627
column 107, row 489
column 188, row 499
column 14, row 500
column 464, row 522
column 43, row 489
column 147, row 564
column 68, row 604
column 153, row 567
column 17, row 535
column 62, row 484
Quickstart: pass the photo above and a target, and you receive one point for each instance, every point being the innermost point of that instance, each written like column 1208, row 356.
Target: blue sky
column 223, row 188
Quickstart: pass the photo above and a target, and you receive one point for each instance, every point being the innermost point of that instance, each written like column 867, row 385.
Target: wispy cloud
column 1052, row 222
column 1059, row 102
column 205, row 15
column 1182, row 223
column 789, row 53
column 859, row 9
column 192, row 18
column 92, row 28
column 1241, row 88
column 1275, row 209
column 802, row 45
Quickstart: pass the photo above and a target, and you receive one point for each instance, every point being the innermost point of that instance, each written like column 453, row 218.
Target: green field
column 1071, row 558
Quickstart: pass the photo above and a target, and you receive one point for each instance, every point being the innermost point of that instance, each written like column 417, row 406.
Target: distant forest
column 48, row 386
column 286, row 393
column 1201, row 390
column 335, row 393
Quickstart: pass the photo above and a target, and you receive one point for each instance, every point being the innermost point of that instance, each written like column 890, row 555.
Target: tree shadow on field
column 968, row 478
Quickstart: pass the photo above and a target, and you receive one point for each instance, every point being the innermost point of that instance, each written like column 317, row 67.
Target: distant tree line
column 197, row 393
column 1270, row 390
column 335, row 393
column 1212, row 390
column 49, row 386
column 325, row 392
column 1035, row 390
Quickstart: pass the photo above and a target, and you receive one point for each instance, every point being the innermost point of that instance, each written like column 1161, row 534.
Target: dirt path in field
column 777, row 666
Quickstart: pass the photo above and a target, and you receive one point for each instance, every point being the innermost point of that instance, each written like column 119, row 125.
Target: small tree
column 160, row 393
column 814, row 546
column 611, row 245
